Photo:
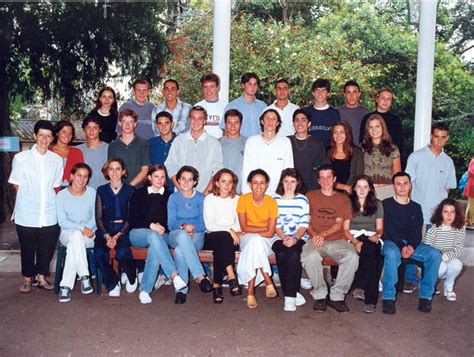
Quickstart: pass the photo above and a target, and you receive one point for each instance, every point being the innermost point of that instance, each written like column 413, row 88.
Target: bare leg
column 230, row 272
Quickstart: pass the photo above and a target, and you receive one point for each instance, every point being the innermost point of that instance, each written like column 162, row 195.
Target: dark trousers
column 289, row 266
column 368, row 274
column 123, row 255
column 37, row 248
column 223, row 252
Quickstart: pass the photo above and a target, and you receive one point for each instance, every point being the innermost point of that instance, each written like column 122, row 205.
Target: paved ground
column 37, row 325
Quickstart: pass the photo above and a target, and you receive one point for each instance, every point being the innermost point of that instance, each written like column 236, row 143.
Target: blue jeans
column 410, row 270
column 186, row 255
column 431, row 259
column 158, row 254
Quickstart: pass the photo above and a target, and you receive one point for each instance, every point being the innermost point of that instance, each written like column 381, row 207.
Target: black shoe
column 320, row 305
column 180, row 298
column 205, row 285
column 424, row 305
column 217, row 295
column 339, row 306
column 234, row 287
column 388, row 307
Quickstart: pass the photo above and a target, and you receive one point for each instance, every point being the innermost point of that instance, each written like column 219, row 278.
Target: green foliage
column 355, row 41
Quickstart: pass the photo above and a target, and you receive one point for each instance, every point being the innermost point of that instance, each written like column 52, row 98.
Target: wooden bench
column 205, row 256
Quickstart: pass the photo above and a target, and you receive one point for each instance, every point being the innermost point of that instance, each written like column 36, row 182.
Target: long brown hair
column 370, row 204
column 437, row 217
column 386, row 147
column 98, row 104
column 347, row 146
column 216, row 178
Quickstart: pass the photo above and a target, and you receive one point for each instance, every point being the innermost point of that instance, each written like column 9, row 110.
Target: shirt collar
column 151, row 190
column 201, row 138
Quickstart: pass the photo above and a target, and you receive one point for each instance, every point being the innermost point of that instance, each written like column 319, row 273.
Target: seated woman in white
column 76, row 216
column 447, row 235
column 258, row 213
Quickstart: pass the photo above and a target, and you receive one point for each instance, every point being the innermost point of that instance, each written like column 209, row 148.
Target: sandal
column 25, row 287
column 251, row 301
column 270, row 291
column 217, row 295
column 44, row 284
column 235, row 289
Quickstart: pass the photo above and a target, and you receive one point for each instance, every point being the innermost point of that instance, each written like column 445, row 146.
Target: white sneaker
column 123, row 278
column 160, row 281
column 131, row 287
column 178, row 283
column 305, row 283
column 115, row 292
column 450, row 295
column 300, row 300
column 290, row 304
column 144, row 297
column 140, row 277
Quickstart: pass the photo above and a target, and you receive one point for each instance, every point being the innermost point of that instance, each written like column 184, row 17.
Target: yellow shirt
column 257, row 216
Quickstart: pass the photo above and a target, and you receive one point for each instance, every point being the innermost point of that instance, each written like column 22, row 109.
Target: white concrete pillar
column 424, row 74
column 221, row 44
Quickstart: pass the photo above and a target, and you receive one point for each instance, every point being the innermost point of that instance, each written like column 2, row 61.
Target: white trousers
column 449, row 271
column 254, row 254
column 76, row 255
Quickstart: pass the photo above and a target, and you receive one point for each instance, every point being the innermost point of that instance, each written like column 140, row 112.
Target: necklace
column 306, row 141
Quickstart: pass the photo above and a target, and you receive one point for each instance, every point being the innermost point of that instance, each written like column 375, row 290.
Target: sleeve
column 241, row 205
column 429, row 237
column 180, row 126
column 227, row 107
column 379, row 212
column 304, row 213
column 411, row 166
column 397, row 132
column 457, row 249
column 395, row 153
column 218, row 159
column 134, row 214
column 200, row 226
column 273, row 208
column 345, row 210
column 172, row 210
column 91, row 222
column 16, row 174
column 247, row 164
column 357, row 165
column 152, row 118
column 171, row 162
column 145, row 154
column 58, row 174
column 126, row 225
column 451, row 182
column 362, row 127
column 415, row 232
column 99, row 216
column 111, row 151
column 288, row 159
column 63, row 219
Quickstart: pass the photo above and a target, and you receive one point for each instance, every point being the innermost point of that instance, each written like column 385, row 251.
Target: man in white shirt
column 195, row 148
column 35, row 174
column 213, row 105
column 284, row 107
column 267, row 151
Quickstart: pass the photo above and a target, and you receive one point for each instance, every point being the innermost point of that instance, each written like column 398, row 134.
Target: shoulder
column 89, row 191
column 261, row 103
column 301, row 197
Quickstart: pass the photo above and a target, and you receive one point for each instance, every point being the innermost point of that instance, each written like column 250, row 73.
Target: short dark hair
column 325, row 167
column 282, row 80
column 233, row 113
column 90, row 119
column 172, row 81
column 164, row 114
column 401, row 174
column 301, row 111
column 270, row 111
column 439, row 126
column 45, row 125
column 246, row 77
column 190, row 169
column 107, row 164
column 350, row 83
column 128, row 113
column 211, row 77
column 321, row 83
column 256, row 172
column 157, row 167
column 141, row 81
column 290, row 172
column 59, row 126
column 78, row 166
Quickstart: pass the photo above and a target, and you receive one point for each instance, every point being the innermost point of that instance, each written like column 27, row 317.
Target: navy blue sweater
column 402, row 223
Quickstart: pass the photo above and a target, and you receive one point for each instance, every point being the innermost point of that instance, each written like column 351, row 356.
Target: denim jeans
column 410, row 270
column 158, row 254
column 431, row 259
column 186, row 250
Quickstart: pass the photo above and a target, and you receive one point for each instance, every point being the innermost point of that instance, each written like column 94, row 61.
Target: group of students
column 339, row 216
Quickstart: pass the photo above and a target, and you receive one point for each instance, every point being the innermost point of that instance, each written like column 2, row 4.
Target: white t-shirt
column 215, row 115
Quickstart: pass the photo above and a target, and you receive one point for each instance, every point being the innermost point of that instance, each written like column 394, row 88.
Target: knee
column 101, row 255
column 391, row 254
column 123, row 253
column 182, row 238
column 434, row 256
column 455, row 265
column 310, row 257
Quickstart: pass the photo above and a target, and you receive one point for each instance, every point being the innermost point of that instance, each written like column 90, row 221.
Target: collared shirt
column 215, row 116
column 251, row 115
column 180, row 115
column 135, row 155
column 286, row 115
column 151, row 190
column 145, row 128
column 36, row 176
column 431, row 176
column 203, row 153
